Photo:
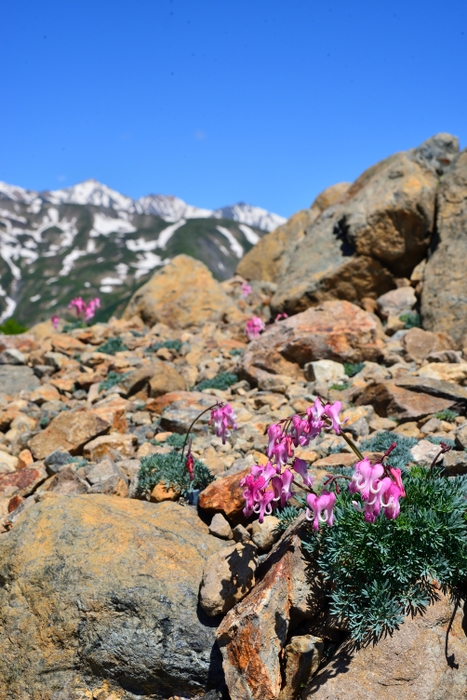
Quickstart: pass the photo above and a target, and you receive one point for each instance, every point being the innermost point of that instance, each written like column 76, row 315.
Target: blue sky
column 266, row 102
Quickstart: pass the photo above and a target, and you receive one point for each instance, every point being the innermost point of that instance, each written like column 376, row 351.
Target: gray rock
column 57, row 460
column 16, row 378
column 12, row 356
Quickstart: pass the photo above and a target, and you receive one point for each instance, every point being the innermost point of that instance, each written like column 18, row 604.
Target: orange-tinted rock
column 67, row 344
column 182, row 294
column 254, row 633
column 25, row 459
column 162, row 493
column 70, row 431
column 43, row 393
column 410, row 664
column 21, row 482
column 225, row 495
column 390, row 400
column 334, row 330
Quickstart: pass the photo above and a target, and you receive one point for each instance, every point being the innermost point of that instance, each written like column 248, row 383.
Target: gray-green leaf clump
column 170, row 470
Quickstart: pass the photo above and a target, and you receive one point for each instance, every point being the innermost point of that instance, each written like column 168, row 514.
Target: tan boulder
column 165, row 380
column 378, row 230
column 227, row 577
column 100, row 588
column 334, row 330
column 445, row 282
column 182, row 294
column 424, row 658
column 268, row 259
column 69, row 431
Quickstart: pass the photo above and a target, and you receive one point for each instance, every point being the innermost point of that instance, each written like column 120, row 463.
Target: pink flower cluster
column 269, row 486
column 84, row 310
column 224, row 420
column 254, row 326
column 376, row 490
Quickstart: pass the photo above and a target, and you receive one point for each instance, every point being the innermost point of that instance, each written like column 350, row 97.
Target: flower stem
column 192, row 424
column 352, row 445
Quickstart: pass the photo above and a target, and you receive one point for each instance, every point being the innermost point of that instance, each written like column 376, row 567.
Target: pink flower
column 274, row 435
column 91, row 307
column 281, row 485
column 224, row 419
column 246, row 289
column 55, row 321
column 322, row 508
column 366, row 479
column 332, row 412
column 79, row 305
column 391, row 503
column 299, row 466
column 252, row 492
column 254, row 326
column 85, row 310
column 279, row 317
column 263, row 505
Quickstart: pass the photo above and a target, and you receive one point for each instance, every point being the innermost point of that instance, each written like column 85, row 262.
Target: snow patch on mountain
column 90, row 192
column 235, row 246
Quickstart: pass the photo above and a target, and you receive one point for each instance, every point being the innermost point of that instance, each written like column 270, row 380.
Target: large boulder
column 379, row 229
column 268, row 259
column 334, row 330
column 100, row 592
column 444, row 293
column 425, row 658
column 182, row 294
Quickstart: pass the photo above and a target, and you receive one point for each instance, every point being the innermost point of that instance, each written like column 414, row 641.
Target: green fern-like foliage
column 221, row 381
column 169, row 344
column 447, row 415
column 171, row 471
column 287, row 516
column 410, row 320
column 381, row 442
column 113, row 345
column 379, row 573
column 113, row 378
column 352, row 369
column 340, row 387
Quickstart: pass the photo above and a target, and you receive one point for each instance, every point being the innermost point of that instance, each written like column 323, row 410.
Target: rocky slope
column 112, row 592
column 89, row 239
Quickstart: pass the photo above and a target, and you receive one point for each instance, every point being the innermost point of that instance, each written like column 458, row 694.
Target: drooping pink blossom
column 279, row 317
column 299, row 466
column 246, row 289
column 274, row 435
column 263, row 505
column 224, row 420
column 55, row 321
column 85, row 311
column 332, row 412
column 320, row 508
column 254, row 326
column 190, row 466
column 281, row 486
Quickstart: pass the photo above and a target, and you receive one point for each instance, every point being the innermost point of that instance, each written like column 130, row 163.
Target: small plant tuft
column 113, row 378
column 236, row 352
column 352, row 369
column 112, row 346
column 221, row 381
column 340, row 387
column 170, row 469
column 447, row 415
column 411, row 320
column 169, row 344
column 287, row 516
column 400, row 456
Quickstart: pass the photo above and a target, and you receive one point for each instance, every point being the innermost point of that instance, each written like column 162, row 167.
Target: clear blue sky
column 263, row 101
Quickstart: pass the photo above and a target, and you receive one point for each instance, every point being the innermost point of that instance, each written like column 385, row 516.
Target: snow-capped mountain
column 90, row 239
column 167, row 207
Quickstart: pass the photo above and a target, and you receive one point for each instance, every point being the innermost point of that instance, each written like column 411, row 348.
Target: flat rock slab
column 16, row 378
column 180, row 408
column 409, row 665
column 70, row 431
column 102, row 588
column 388, row 399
